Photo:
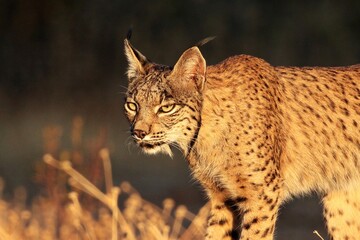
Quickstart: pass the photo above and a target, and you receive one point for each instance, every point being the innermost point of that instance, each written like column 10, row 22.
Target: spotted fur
column 254, row 135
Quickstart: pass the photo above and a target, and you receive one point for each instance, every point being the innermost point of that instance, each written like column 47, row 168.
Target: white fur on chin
column 159, row 149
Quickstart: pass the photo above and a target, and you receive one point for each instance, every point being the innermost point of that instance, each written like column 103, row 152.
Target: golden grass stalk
column 168, row 206
column 115, row 191
column 104, row 154
column 82, row 182
column 91, row 189
column 180, row 213
column 198, row 224
column 80, row 222
column 317, row 234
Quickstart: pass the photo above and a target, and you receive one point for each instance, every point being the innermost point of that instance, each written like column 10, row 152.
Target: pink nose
column 139, row 133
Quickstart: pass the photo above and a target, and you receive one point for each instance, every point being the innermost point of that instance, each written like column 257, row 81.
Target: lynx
column 254, row 135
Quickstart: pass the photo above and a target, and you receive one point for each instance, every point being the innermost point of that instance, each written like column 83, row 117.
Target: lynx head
column 163, row 104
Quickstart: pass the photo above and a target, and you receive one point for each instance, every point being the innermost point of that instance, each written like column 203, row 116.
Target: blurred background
column 62, row 60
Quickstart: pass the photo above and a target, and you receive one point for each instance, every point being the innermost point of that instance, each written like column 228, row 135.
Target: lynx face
column 163, row 104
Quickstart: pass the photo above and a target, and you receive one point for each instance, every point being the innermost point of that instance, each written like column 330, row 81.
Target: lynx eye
column 131, row 107
column 167, row 108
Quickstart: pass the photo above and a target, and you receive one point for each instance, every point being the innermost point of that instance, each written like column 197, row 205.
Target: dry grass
column 74, row 207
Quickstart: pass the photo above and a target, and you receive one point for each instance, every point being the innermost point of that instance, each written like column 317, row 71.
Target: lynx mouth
column 149, row 145
column 154, row 147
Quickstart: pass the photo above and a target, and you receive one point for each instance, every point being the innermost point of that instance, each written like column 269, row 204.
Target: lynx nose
column 139, row 133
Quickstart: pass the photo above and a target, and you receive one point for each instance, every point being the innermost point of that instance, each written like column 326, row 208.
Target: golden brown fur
column 254, row 135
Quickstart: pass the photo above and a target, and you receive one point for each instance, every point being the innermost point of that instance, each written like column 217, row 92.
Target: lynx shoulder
column 254, row 135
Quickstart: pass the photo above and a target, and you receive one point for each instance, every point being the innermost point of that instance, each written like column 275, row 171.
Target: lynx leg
column 258, row 216
column 221, row 220
column 342, row 213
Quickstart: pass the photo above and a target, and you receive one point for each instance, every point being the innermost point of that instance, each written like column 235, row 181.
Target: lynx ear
column 190, row 69
column 136, row 60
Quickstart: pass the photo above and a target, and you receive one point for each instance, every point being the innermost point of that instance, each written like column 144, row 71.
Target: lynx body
column 254, row 135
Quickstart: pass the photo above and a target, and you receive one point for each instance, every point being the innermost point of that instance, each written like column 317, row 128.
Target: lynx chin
column 254, row 135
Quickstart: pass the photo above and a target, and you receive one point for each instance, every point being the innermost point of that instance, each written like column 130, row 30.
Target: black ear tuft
column 129, row 33
column 205, row 41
